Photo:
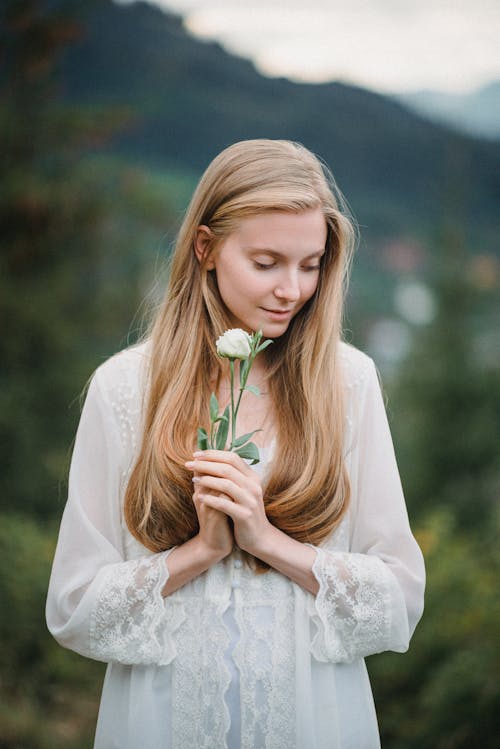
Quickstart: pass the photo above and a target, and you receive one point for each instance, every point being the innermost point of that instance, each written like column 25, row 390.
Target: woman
column 235, row 605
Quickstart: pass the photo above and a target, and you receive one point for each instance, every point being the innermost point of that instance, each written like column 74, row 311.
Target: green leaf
column 264, row 345
column 244, row 368
column 256, row 339
column 253, row 389
column 239, row 441
column 202, row 439
column 221, row 438
column 250, row 452
column 214, row 407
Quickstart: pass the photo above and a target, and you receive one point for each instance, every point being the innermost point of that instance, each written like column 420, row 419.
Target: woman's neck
column 257, row 378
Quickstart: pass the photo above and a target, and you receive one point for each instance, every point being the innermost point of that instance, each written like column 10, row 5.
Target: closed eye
column 268, row 266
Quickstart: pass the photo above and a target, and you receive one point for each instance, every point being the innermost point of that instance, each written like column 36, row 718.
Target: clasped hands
column 226, row 487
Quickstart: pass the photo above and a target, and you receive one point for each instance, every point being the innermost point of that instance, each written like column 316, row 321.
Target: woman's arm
column 214, row 542
column 371, row 596
column 290, row 557
column 100, row 603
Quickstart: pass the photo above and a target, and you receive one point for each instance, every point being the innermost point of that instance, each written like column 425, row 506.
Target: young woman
column 235, row 605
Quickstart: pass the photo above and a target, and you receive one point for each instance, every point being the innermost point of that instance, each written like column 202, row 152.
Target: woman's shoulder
column 123, row 376
column 356, row 366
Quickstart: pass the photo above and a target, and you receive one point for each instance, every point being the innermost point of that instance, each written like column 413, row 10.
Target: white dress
column 232, row 659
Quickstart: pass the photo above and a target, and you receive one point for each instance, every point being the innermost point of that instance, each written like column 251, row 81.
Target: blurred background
column 108, row 115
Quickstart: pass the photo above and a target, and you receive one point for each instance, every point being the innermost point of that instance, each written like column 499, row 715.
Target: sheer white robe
column 232, row 659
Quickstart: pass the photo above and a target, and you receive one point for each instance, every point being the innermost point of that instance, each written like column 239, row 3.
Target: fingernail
column 189, row 464
column 197, row 454
column 195, row 479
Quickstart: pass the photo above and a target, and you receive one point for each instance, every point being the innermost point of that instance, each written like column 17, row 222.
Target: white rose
column 234, row 344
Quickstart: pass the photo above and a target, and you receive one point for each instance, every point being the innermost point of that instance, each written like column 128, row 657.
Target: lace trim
column 131, row 623
column 262, row 655
column 200, row 677
column 267, row 671
column 352, row 609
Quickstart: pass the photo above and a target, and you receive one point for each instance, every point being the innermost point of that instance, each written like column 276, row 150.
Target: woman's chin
column 274, row 330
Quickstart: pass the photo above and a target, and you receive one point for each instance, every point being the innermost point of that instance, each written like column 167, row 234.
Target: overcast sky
column 386, row 45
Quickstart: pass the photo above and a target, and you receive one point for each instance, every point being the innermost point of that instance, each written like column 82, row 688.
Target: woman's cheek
column 313, row 285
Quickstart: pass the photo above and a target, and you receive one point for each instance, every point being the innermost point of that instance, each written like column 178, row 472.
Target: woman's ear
column 202, row 240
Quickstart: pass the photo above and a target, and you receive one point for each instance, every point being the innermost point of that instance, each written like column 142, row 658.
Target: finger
column 216, row 485
column 224, row 456
column 224, row 470
column 225, row 505
column 204, row 510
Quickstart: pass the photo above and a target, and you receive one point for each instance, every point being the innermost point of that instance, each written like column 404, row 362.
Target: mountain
column 188, row 99
column 477, row 113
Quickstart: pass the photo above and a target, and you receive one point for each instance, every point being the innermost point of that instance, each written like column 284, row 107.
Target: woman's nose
column 288, row 288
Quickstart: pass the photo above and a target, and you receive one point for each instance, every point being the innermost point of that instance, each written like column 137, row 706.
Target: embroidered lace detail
column 352, row 607
column 127, row 416
column 124, row 376
column 264, row 656
column 131, row 622
column 200, row 678
column 355, row 368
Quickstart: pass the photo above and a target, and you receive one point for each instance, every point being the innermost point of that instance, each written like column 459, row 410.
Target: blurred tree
column 71, row 267
column 448, row 398
column 444, row 693
column 48, row 696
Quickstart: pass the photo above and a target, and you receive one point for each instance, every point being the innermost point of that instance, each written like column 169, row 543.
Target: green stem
column 211, row 444
column 233, row 412
column 244, row 382
column 238, row 402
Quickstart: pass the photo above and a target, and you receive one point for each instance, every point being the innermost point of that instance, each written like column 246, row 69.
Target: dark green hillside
column 189, row 99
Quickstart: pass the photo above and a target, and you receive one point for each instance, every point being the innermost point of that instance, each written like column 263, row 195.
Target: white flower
column 234, row 344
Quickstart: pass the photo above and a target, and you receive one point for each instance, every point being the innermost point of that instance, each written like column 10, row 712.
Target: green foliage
column 443, row 694
column 448, row 401
column 73, row 267
column 47, row 695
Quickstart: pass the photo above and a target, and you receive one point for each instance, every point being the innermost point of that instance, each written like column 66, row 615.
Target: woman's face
column 269, row 267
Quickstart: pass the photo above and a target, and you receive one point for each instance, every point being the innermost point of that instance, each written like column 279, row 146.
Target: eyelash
column 264, row 266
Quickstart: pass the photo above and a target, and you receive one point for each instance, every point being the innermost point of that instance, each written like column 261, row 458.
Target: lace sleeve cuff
column 131, row 622
column 353, row 609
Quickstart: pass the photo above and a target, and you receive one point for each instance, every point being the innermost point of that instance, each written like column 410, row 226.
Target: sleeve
column 98, row 604
column 370, row 598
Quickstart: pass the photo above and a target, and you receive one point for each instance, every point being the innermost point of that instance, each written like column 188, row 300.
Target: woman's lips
column 278, row 314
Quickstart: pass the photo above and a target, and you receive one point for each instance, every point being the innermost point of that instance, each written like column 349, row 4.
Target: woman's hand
column 226, row 484
column 215, row 530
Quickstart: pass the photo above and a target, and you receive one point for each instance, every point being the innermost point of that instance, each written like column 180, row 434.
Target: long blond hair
column 307, row 491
